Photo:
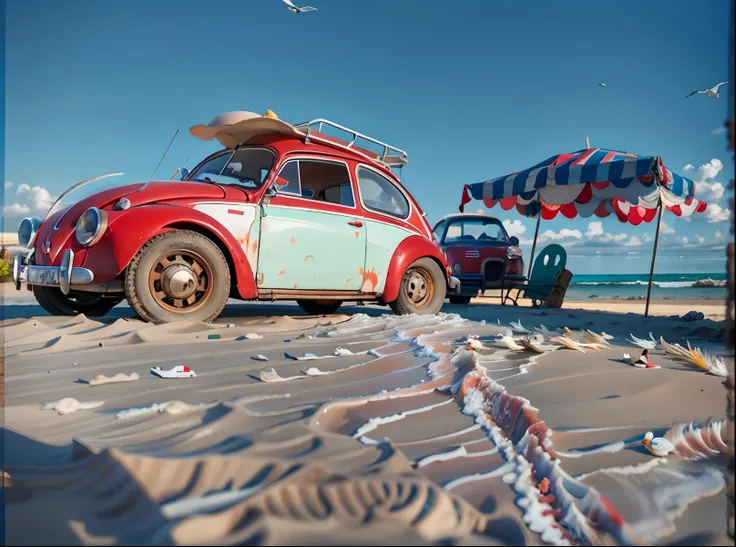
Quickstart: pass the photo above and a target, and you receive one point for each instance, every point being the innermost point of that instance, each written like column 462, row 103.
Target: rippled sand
column 406, row 437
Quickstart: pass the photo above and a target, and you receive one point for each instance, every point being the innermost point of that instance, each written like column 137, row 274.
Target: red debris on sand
column 544, row 485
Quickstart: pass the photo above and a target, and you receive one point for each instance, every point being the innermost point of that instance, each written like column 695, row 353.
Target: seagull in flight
column 602, row 84
column 713, row 91
column 295, row 9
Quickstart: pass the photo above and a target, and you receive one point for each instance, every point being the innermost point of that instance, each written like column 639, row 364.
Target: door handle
column 356, row 223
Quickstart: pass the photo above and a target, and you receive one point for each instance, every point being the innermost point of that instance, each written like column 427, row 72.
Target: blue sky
column 471, row 90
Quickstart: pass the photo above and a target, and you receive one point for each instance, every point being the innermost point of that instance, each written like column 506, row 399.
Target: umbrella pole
column 534, row 245
column 654, row 255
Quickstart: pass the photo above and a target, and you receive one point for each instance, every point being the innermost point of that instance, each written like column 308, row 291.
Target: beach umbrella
column 592, row 182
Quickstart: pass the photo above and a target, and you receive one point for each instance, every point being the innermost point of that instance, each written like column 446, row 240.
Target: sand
column 412, row 439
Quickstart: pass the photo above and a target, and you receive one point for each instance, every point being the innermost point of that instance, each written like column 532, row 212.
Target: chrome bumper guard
column 454, row 284
column 64, row 276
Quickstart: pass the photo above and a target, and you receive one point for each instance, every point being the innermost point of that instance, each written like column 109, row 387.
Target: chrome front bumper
column 454, row 284
column 64, row 276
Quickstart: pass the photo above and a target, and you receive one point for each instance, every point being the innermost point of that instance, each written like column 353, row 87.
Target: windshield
column 484, row 230
column 248, row 167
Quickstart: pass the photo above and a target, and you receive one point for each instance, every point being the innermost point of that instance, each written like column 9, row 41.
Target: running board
column 296, row 294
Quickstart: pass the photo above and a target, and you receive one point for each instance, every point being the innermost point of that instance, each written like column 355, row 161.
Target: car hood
column 61, row 223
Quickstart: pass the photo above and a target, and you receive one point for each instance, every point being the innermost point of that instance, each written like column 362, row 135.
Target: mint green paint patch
column 310, row 250
column 382, row 242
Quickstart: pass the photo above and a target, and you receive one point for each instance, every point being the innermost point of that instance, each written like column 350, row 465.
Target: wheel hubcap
column 418, row 287
column 181, row 281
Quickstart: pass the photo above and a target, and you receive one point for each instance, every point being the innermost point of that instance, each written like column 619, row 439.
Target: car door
column 312, row 233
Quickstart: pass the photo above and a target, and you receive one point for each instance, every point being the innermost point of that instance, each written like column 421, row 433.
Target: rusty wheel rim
column 418, row 287
column 181, row 281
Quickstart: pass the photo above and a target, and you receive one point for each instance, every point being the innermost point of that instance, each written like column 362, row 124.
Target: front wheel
column 319, row 307
column 90, row 304
column 178, row 276
column 422, row 289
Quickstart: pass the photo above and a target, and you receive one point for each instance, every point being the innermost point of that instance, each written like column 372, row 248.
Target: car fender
column 411, row 249
column 130, row 229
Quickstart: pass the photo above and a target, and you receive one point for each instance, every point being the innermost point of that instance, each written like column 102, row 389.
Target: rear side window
column 380, row 195
column 438, row 231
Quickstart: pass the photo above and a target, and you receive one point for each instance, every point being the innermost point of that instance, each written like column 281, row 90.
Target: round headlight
column 90, row 226
column 458, row 268
column 27, row 231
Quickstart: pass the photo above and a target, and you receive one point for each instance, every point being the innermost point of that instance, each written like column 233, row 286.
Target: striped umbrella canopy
column 591, row 182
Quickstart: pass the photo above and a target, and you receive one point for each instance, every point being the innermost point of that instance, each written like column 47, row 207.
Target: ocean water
column 624, row 286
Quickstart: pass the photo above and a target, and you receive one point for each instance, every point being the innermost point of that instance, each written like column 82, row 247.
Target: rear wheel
column 319, row 307
column 90, row 304
column 178, row 276
column 422, row 289
column 460, row 299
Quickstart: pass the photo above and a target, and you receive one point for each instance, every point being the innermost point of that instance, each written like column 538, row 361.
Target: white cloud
column 633, row 242
column 700, row 238
column 8, row 185
column 34, row 198
column 514, row 227
column 565, row 233
column 666, row 229
column 42, row 199
column 716, row 213
column 682, row 240
column 647, row 238
column 718, row 234
column 610, row 238
column 595, row 228
column 633, row 252
column 688, row 167
column 16, row 210
column 705, row 187
column 718, row 131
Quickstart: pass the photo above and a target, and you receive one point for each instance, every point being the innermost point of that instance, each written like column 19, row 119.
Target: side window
column 339, row 195
column 290, row 172
column 318, row 180
column 381, row 195
column 212, row 168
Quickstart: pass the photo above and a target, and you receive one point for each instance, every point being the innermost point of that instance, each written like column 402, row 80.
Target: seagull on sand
column 658, row 446
column 296, row 9
column 713, row 91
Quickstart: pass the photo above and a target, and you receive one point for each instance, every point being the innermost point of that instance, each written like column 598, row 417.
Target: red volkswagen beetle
column 283, row 212
column 480, row 252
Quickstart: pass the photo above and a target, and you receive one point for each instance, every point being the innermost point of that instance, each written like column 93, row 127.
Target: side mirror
column 514, row 241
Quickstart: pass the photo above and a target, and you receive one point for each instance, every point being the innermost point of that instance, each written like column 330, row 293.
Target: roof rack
column 391, row 156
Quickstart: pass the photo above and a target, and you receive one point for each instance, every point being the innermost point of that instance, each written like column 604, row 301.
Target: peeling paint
column 295, row 285
column 360, row 272
column 370, row 280
column 357, row 234
column 308, row 257
column 292, row 240
column 282, row 272
column 254, row 246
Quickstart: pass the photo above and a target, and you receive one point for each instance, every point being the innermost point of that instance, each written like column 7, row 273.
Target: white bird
column 602, row 84
column 713, row 91
column 508, row 343
column 644, row 344
column 296, row 9
column 658, row 446
column 518, row 328
column 473, row 344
